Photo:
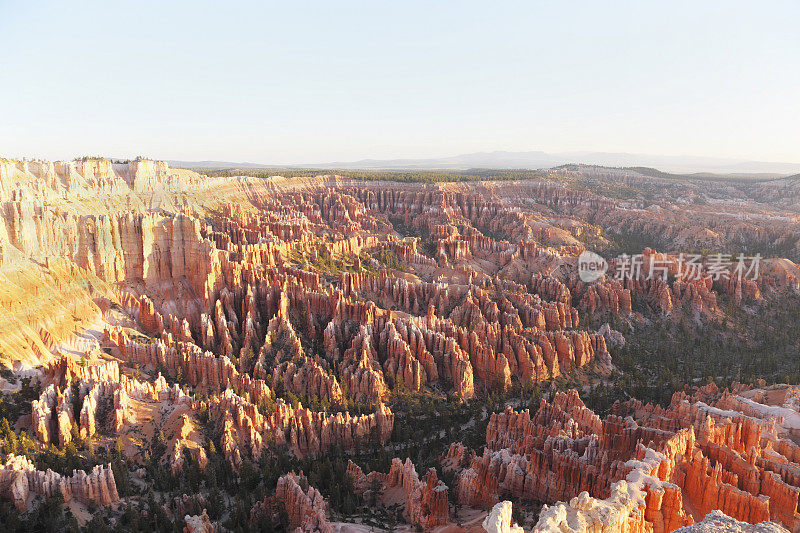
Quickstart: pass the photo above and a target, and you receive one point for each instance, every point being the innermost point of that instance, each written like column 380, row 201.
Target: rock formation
column 199, row 524
column 235, row 302
column 647, row 467
column 426, row 501
column 305, row 508
column 18, row 478
column 499, row 519
column 716, row 521
column 306, row 432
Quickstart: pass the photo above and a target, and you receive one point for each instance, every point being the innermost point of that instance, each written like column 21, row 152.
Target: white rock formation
column 719, row 522
column 499, row 519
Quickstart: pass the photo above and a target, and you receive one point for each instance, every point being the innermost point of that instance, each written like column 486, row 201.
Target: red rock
column 426, row 502
column 305, row 508
column 18, row 477
column 306, row 432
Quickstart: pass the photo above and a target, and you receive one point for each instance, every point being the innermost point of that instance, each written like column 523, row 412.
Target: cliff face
column 71, row 228
column 114, row 247
column 47, row 179
column 39, row 308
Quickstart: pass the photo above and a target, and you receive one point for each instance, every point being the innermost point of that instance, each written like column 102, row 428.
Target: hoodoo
column 250, row 346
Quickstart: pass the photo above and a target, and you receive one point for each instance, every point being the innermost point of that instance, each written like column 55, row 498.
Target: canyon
column 321, row 347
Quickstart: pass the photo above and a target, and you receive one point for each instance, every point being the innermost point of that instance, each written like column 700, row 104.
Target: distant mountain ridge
column 535, row 160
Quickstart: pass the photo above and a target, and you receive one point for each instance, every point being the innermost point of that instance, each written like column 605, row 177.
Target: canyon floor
column 397, row 351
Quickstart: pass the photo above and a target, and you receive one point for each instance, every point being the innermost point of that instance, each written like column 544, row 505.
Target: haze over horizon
column 278, row 84
column 530, row 160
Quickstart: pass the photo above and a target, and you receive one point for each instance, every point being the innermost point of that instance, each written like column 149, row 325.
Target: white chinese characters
column 684, row 267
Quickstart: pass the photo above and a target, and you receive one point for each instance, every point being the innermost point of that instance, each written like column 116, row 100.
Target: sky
column 313, row 82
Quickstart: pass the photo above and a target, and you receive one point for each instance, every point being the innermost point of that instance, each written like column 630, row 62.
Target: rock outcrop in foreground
column 644, row 468
column 499, row 519
column 718, row 522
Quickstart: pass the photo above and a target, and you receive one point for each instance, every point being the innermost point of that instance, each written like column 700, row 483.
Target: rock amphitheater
column 249, row 318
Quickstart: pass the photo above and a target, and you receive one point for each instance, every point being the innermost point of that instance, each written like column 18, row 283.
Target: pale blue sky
column 294, row 82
